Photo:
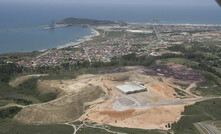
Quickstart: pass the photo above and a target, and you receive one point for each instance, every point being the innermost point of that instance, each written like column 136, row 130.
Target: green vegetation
column 219, row 2
column 4, row 102
column 29, row 88
column 8, row 126
column 211, row 85
column 25, row 94
column 136, row 131
column 78, row 21
column 201, row 111
column 105, row 129
column 15, row 57
column 20, row 55
column 218, row 69
column 88, row 130
column 9, row 112
column 47, row 97
column 179, row 92
column 181, row 61
column 67, row 71
column 18, row 101
column 205, row 57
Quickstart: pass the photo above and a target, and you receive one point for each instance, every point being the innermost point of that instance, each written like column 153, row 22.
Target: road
column 89, row 125
column 87, row 54
column 119, row 107
column 210, row 129
column 192, row 85
column 157, row 34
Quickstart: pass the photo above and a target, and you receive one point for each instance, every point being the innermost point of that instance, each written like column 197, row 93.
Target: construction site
column 130, row 98
column 131, row 88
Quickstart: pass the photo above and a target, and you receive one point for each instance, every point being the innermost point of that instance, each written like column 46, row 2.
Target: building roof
column 130, row 87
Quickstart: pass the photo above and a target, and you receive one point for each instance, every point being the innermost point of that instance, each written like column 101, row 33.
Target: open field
column 181, row 61
column 208, row 110
column 9, row 126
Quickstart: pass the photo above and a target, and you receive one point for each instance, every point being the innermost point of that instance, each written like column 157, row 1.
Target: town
column 116, row 40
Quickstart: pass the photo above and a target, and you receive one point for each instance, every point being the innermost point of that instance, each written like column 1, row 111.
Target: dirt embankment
column 162, row 89
column 67, row 108
column 48, row 86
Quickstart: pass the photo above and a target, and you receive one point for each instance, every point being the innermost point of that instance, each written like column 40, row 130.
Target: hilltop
column 83, row 21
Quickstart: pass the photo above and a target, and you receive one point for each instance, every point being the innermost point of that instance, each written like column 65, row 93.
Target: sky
column 118, row 2
column 45, row 11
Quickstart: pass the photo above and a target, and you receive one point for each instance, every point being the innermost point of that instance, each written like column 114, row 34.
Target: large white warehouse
column 131, row 87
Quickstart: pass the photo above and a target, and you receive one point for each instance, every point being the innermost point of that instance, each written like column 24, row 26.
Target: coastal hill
column 83, row 21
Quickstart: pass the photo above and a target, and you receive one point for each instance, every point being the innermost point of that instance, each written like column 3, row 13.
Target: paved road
column 87, row 54
column 210, row 129
column 156, row 33
column 120, row 107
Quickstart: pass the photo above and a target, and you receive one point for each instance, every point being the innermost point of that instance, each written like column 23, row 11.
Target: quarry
column 128, row 97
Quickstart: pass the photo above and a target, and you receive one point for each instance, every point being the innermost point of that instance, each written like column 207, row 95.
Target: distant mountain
column 82, row 21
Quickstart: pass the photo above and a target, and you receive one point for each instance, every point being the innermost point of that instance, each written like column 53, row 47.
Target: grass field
column 201, row 111
column 9, row 126
column 218, row 69
column 211, row 86
column 25, row 94
column 4, row 102
column 94, row 128
column 181, row 61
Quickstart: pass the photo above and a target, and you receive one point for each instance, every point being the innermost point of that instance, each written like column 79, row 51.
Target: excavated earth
column 94, row 98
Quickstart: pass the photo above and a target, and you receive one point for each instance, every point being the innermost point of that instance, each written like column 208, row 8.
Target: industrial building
column 131, row 88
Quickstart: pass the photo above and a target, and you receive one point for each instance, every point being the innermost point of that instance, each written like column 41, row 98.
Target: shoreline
column 176, row 24
column 95, row 33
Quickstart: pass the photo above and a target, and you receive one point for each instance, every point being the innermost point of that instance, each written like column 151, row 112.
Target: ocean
column 27, row 15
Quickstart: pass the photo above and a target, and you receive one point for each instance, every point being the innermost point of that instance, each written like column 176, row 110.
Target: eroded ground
column 92, row 98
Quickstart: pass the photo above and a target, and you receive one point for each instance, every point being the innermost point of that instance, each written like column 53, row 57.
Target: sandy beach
column 86, row 38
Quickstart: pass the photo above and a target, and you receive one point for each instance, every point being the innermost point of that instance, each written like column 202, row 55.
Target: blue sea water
column 40, row 39
column 15, row 15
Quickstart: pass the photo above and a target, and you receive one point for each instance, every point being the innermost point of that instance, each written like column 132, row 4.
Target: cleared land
column 92, row 98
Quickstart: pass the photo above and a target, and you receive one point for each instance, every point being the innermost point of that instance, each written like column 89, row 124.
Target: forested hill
column 80, row 21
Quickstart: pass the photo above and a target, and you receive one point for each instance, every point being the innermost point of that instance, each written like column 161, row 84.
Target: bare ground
column 93, row 98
